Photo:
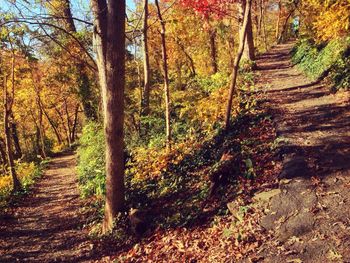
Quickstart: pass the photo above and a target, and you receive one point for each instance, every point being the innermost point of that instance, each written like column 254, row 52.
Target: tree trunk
column 284, row 27
column 247, row 34
column 40, row 131
column 69, row 131
column 183, row 49
column 277, row 34
column 63, row 122
column 263, row 24
column 7, row 107
column 53, row 126
column 213, row 52
column 3, row 151
column 166, row 77
column 109, row 42
column 236, row 64
column 16, row 183
column 146, row 66
column 3, row 155
column 75, row 123
column 14, row 132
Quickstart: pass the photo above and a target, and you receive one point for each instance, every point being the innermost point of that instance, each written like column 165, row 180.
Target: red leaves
column 217, row 8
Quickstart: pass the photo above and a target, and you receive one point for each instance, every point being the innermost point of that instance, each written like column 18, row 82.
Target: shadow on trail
column 309, row 115
column 179, row 196
column 46, row 225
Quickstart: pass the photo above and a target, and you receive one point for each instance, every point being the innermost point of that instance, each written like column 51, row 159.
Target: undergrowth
column 330, row 59
column 173, row 186
column 28, row 173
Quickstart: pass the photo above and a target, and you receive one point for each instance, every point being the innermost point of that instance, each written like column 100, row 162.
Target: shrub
column 91, row 161
column 27, row 173
column 318, row 61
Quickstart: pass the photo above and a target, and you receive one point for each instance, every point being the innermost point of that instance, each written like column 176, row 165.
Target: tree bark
column 41, row 129
column 14, row 133
column 53, row 126
column 69, row 131
column 146, row 65
column 7, row 108
column 109, row 42
column 183, row 49
column 213, row 51
column 263, row 24
column 75, row 124
column 247, row 34
column 166, row 77
column 3, row 155
column 236, row 64
column 277, row 34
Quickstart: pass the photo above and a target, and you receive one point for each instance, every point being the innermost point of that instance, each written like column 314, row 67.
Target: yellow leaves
column 332, row 19
column 24, row 171
column 5, row 183
column 334, row 255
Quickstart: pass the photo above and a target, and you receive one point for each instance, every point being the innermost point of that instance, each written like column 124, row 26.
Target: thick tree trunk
column 166, row 77
column 109, row 38
column 146, row 66
column 236, row 64
column 249, row 50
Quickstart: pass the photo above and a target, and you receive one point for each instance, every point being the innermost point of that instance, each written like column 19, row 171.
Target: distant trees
column 62, row 9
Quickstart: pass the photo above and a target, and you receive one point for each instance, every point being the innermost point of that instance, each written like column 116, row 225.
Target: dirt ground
column 306, row 219
column 46, row 226
column 309, row 218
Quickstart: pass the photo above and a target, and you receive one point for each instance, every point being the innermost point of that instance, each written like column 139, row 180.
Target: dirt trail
column 309, row 218
column 45, row 226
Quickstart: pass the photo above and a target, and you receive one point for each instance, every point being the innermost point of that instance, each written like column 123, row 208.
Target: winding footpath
column 309, row 220
column 306, row 221
column 46, row 226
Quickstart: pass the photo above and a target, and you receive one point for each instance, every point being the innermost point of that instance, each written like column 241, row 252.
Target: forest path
column 308, row 217
column 46, row 225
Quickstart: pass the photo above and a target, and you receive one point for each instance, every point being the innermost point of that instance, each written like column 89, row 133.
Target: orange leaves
column 331, row 18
